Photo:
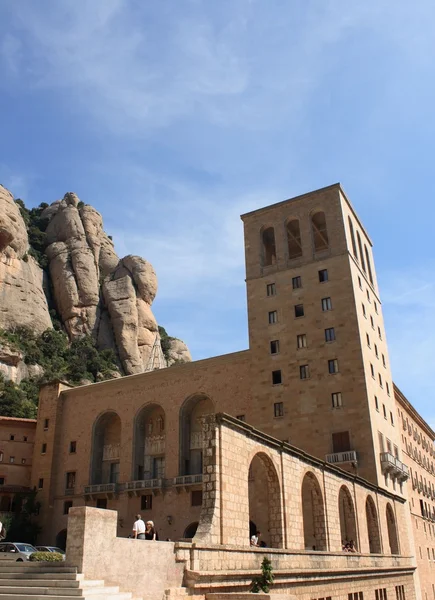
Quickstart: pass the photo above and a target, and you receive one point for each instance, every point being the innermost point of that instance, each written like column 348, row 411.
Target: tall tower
column 321, row 374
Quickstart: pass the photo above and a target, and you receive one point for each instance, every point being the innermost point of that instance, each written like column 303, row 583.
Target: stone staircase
column 54, row 581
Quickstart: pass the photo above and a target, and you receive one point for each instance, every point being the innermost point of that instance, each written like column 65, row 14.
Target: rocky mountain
column 59, row 267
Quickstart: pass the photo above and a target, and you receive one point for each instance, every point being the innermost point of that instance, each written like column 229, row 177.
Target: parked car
column 17, row 551
column 51, row 549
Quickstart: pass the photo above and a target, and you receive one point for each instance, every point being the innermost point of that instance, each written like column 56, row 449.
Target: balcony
column 391, row 464
column 186, row 481
column 106, row 490
column 342, row 457
column 134, row 488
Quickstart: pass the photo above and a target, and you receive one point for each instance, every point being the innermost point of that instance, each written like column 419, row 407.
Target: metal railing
column 341, row 457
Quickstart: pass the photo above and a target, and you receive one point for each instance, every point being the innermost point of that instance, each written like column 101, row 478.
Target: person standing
column 139, row 528
column 150, row 531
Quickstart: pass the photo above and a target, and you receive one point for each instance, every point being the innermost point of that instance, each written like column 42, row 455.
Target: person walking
column 139, row 528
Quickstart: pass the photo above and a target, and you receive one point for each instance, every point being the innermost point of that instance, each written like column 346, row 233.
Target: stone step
column 35, row 568
column 43, row 575
column 30, row 581
column 102, row 596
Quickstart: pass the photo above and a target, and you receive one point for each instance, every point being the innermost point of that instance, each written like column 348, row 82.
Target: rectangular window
column 241, row 418
column 384, row 411
column 301, row 340
column 326, row 304
column 44, row 448
column 70, row 480
column 23, row 461
column 380, row 380
column 297, row 282
column 72, row 447
column 46, row 421
column 146, row 502
column 41, row 483
column 341, row 442
column 364, row 310
column 66, row 506
column 372, row 370
column 359, row 282
column 273, row 317
column 396, row 451
column 333, row 366
column 330, row 334
column 376, row 351
column 278, row 409
column 11, row 437
column 2, row 480
column 271, row 289
column 159, row 467
column 12, row 459
column 376, row 403
column 400, row 592
column 368, row 295
column 25, row 438
column 381, row 442
column 101, row 503
column 276, row 377
column 323, row 275
column 368, row 339
column 196, row 498
column 304, row 372
column 336, row 400
column 299, row 310
column 391, row 418
column 383, row 360
column 274, row 347
column 376, row 307
column 388, row 387
column 389, row 447
column 379, row 333
column 372, row 322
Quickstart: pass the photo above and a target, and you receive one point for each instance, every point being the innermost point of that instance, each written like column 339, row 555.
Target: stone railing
column 143, row 484
column 393, row 465
column 100, row 488
column 342, row 457
column 187, row 479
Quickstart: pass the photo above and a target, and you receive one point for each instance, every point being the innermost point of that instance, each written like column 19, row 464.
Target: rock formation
column 93, row 291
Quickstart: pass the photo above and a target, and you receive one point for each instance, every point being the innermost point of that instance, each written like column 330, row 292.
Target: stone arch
column 265, row 499
column 149, row 443
column 268, row 246
column 320, row 231
column 294, row 241
column 346, row 511
column 393, row 539
column 190, row 530
column 193, row 408
column 313, row 513
column 106, row 444
column 61, row 539
column 373, row 527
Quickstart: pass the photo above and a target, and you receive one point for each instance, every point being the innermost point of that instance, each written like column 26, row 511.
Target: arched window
column 361, row 255
column 352, row 237
column 190, row 530
column 373, row 527
column 313, row 513
column 294, row 242
column 269, row 247
column 106, row 445
column 347, row 516
column 191, row 438
column 265, row 501
column 149, row 443
column 369, row 267
column 392, row 531
column 320, row 232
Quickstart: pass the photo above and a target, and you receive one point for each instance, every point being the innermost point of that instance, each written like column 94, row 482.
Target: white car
column 51, row 549
column 16, row 551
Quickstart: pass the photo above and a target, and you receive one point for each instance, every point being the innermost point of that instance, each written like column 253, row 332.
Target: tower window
column 196, row 498
column 372, row 370
column 12, row 459
column 337, row 401
column 391, row 418
column 368, row 295
column 368, row 339
column 330, row 334
column 278, row 409
column 376, row 307
column 297, row 282
column 274, row 347
column 73, row 447
column 359, row 282
column 66, row 506
column 352, row 237
column 299, row 310
column 41, row 483
column 271, row 289
column 361, row 255
column 380, row 380
column 388, row 387
column 12, row 437
column 70, row 480
column 146, row 502
column 384, row 410
column 372, row 322
column 376, row 403
column 383, row 360
column 294, row 242
column 276, row 377
column 376, row 351
column 43, row 448
column 379, row 333
column 368, row 264
column 333, row 366
column 301, row 340
column 326, row 304
column 46, row 421
column 269, row 248
column 364, row 310
column 323, row 275
column 304, row 372
column 320, row 233
column 273, row 317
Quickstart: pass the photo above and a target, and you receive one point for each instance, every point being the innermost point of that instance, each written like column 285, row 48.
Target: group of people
column 144, row 531
column 349, row 546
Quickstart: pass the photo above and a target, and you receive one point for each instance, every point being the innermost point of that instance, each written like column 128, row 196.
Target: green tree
column 265, row 580
column 22, row 525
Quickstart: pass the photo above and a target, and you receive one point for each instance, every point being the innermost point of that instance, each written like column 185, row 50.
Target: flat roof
column 400, row 396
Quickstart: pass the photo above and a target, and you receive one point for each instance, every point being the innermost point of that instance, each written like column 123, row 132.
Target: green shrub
column 263, row 583
column 46, row 557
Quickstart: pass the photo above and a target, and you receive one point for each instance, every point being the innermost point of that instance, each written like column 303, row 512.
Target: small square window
column 12, row 437
column 372, row 370
column 23, row 461
column 304, row 372
column 301, row 340
column 66, row 506
column 273, row 317
column 146, row 502
column 299, row 310
column 72, row 447
column 196, row 498
column 12, row 459
column 376, row 403
column 278, row 409
column 241, row 418
column 271, row 289
column 41, row 483
column 101, row 503
column 323, row 275
column 333, row 366
column 46, row 421
column 326, row 304
column 337, row 401
column 297, row 282
column 276, row 377
column 274, row 347
column 43, row 448
column 330, row 334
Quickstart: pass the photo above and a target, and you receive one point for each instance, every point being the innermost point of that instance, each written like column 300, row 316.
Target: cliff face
column 94, row 292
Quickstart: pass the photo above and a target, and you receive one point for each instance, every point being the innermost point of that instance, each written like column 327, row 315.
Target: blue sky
column 173, row 118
